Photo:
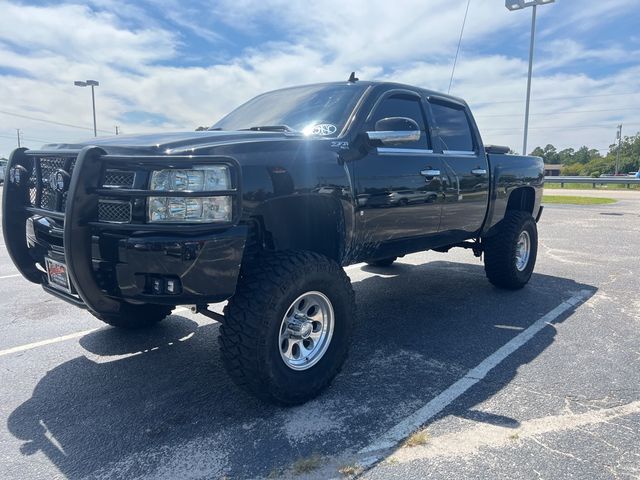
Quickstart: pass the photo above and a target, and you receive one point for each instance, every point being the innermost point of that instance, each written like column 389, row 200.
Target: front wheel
column 510, row 254
column 287, row 329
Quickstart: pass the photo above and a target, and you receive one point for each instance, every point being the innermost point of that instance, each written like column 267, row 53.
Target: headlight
column 210, row 178
column 190, row 209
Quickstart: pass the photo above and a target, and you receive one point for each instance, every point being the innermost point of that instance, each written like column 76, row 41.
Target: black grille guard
column 81, row 213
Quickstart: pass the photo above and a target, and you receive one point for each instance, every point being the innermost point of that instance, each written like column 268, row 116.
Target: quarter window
column 453, row 127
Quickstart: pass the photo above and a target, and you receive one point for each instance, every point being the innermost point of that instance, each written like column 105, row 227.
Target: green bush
column 572, row 170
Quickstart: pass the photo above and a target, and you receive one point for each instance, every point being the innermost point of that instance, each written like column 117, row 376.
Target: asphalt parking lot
column 538, row 383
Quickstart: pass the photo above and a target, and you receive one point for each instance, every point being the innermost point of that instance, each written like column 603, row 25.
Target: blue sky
column 170, row 65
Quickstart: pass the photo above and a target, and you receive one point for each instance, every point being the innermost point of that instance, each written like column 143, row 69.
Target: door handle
column 479, row 171
column 430, row 173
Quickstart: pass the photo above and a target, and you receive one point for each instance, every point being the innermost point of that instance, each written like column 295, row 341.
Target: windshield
column 312, row 110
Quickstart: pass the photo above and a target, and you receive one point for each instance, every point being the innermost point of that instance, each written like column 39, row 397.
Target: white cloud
column 410, row 41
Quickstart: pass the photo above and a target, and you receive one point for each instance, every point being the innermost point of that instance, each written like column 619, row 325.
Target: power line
column 22, row 137
column 49, row 121
column 573, row 127
column 561, row 98
column 568, row 112
column 455, row 60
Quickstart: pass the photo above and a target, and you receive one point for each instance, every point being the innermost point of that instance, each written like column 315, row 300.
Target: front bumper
column 112, row 262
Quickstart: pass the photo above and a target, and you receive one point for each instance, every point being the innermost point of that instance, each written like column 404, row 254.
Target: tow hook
column 204, row 310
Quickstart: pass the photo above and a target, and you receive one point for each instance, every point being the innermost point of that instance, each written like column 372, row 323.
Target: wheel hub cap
column 306, row 330
column 523, row 250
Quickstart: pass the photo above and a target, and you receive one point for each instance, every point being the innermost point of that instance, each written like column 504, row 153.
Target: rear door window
column 453, row 127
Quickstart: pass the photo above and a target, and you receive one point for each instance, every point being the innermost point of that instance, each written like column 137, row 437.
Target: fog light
column 157, row 286
column 173, row 286
column 164, row 286
column 18, row 175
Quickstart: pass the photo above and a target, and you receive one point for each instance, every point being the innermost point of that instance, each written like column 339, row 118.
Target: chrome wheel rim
column 523, row 250
column 306, row 331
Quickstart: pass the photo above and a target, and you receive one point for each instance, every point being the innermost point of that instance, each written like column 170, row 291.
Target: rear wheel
column 287, row 329
column 510, row 254
column 134, row 317
column 383, row 262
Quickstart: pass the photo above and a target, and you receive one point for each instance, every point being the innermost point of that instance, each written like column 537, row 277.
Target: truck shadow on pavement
column 158, row 404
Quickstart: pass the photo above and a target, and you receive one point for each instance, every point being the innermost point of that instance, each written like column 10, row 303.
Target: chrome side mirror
column 395, row 131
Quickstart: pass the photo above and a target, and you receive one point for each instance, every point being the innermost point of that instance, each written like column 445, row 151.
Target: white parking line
column 49, row 341
column 418, row 418
column 10, row 276
column 63, row 338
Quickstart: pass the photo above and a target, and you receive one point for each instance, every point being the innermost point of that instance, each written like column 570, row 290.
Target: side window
column 403, row 106
column 453, row 127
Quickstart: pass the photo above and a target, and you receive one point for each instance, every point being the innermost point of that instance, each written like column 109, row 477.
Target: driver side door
column 398, row 186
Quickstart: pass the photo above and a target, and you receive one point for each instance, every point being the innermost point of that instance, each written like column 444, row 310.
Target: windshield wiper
column 273, row 128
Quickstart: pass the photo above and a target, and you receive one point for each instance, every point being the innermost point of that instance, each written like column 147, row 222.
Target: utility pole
column 18, row 132
column 619, row 137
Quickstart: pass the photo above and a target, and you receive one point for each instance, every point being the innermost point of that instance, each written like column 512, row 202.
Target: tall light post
column 92, row 84
column 519, row 5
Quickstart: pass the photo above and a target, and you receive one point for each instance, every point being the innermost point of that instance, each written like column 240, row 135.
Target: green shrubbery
column 590, row 162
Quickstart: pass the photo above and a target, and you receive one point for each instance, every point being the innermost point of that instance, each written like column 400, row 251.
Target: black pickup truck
column 264, row 209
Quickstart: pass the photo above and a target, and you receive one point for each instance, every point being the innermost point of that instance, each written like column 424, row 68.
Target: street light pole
column 526, row 108
column 93, row 104
column 92, row 84
column 519, row 5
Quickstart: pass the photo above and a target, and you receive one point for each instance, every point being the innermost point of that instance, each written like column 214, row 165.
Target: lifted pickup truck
column 263, row 210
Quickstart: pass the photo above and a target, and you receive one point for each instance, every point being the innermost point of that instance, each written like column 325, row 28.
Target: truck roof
column 374, row 83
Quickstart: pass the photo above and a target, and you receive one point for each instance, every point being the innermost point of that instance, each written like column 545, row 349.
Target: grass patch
column 589, row 186
column 571, row 200
column 277, row 472
column 350, row 470
column 417, row 439
column 307, row 465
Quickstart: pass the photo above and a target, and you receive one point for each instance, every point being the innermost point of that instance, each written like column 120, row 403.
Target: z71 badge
column 340, row 145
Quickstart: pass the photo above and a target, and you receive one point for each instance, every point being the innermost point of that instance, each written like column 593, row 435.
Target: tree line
column 588, row 161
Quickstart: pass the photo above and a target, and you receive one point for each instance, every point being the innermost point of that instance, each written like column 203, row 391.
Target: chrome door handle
column 430, row 173
column 479, row 171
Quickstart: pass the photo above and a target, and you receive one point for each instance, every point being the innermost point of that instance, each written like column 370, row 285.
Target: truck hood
column 173, row 142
